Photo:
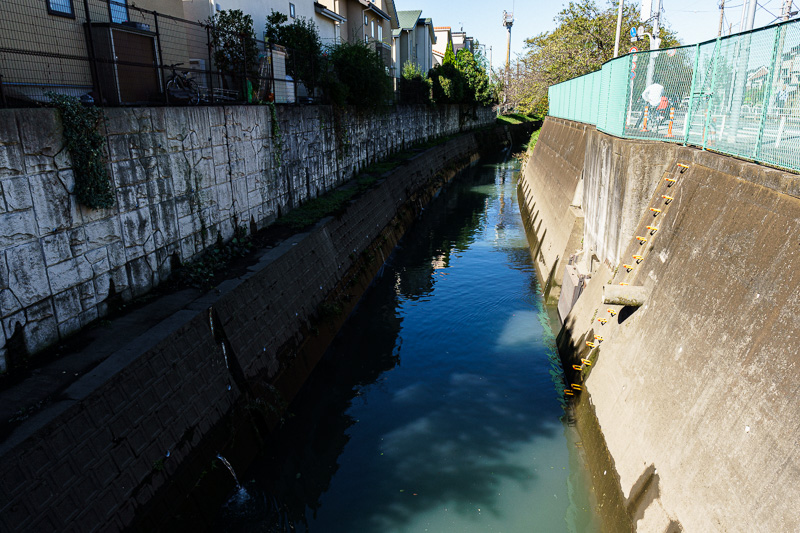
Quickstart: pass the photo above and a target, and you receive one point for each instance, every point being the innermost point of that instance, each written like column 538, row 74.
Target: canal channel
column 439, row 405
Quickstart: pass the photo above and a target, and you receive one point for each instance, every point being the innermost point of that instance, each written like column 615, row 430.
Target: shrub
column 234, row 43
column 414, row 87
column 357, row 76
column 302, row 40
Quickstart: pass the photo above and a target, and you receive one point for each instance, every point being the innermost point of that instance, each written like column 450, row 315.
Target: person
column 652, row 96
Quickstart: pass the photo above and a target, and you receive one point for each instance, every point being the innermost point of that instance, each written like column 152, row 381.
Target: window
column 118, row 10
column 380, row 32
column 366, row 21
column 291, row 10
column 372, row 29
column 61, row 7
column 366, row 39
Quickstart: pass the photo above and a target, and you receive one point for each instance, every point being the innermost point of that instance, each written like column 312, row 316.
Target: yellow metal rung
column 641, row 240
column 652, row 229
column 590, row 344
column 638, row 258
column 576, row 386
column 578, row 368
column 655, row 211
column 586, row 362
column 627, row 267
column 602, row 320
column 612, row 312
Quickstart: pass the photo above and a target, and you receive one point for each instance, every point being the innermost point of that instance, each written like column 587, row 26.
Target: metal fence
column 114, row 53
column 736, row 95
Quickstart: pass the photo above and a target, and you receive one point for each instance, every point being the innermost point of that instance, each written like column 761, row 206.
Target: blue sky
column 694, row 20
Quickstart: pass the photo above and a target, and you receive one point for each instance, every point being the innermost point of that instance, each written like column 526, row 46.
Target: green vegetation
column 515, row 118
column 86, row 147
column 305, row 49
column 357, row 77
column 580, row 44
column 329, row 203
column 234, row 42
column 202, row 273
column 415, row 87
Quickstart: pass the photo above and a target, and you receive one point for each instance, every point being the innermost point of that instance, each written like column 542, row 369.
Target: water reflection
column 434, row 409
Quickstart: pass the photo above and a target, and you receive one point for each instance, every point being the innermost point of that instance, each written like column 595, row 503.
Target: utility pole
column 787, row 6
column 619, row 28
column 721, row 17
column 508, row 21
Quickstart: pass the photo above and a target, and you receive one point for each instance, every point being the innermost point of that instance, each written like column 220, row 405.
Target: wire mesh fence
column 737, row 95
column 113, row 53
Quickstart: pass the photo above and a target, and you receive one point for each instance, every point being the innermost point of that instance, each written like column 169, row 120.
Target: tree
column 304, row 47
column 449, row 56
column 358, row 76
column 414, row 87
column 478, row 89
column 234, row 43
column 581, row 43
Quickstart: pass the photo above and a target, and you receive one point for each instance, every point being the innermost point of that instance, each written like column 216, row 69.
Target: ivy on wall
column 86, row 147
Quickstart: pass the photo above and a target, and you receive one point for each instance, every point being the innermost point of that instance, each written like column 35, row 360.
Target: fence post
column 779, row 32
column 710, row 96
column 689, row 114
column 2, row 93
column 159, row 71
column 92, row 57
column 209, row 74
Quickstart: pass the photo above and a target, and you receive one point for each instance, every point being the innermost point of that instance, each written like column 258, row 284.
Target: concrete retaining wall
column 110, row 447
column 694, row 391
column 182, row 176
column 548, row 185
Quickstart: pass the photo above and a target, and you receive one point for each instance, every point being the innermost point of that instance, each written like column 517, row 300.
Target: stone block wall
column 182, row 176
column 116, row 440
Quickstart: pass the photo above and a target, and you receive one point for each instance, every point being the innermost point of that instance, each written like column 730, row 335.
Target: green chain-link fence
column 739, row 95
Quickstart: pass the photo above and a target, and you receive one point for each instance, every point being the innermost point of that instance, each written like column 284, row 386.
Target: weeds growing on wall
column 276, row 136
column 87, row 148
column 202, row 273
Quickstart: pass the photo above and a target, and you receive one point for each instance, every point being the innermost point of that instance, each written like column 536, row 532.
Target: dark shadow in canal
column 465, row 461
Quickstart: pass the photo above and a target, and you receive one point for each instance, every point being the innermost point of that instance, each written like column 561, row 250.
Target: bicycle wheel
column 193, row 90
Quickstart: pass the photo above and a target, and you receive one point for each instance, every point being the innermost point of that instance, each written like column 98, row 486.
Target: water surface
column 438, row 406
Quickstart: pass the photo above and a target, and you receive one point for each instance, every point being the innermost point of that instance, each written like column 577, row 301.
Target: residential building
column 443, row 37
column 367, row 21
column 47, row 48
column 260, row 9
column 461, row 40
column 413, row 40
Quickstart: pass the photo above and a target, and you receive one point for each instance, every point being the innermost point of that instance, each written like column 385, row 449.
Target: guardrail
column 738, row 95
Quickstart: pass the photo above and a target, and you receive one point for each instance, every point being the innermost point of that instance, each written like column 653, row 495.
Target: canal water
column 438, row 407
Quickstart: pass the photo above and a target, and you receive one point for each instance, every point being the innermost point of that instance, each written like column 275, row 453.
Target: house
column 259, row 10
column 443, row 37
column 367, row 21
column 48, row 49
column 461, row 41
column 413, row 40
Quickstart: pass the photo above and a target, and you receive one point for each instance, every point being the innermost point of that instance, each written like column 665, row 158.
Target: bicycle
column 181, row 87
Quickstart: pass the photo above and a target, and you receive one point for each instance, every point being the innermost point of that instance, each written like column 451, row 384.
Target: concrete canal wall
column 694, row 391
column 116, row 449
column 181, row 177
